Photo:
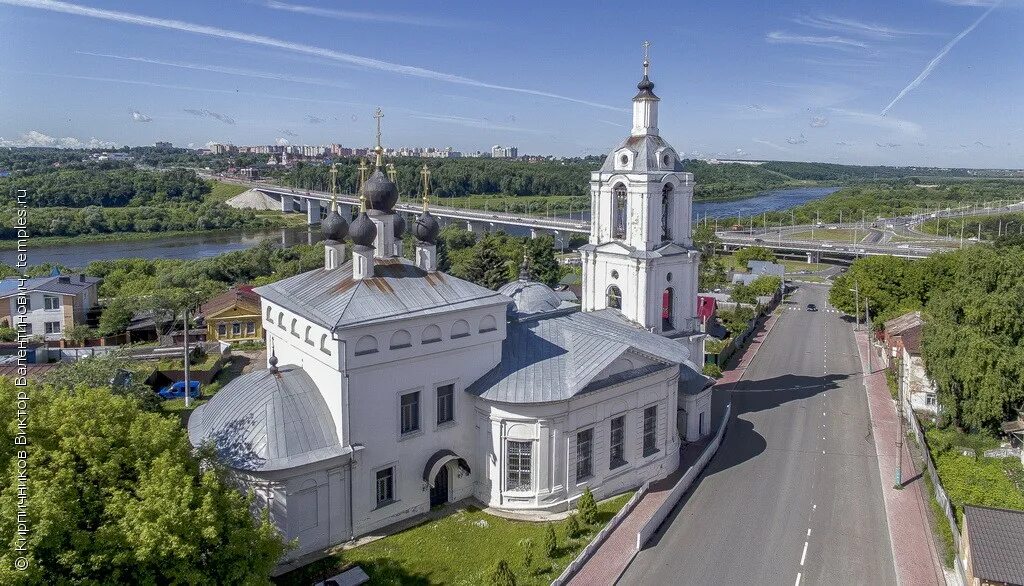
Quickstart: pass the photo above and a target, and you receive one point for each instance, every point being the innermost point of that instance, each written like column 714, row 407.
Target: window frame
column 584, row 461
column 649, row 449
column 437, row 404
column 222, row 329
column 391, row 471
column 617, row 303
column 51, row 327
column 617, row 460
column 46, row 302
column 620, row 211
column 667, row 197
column 519, row 471
column 415, row 413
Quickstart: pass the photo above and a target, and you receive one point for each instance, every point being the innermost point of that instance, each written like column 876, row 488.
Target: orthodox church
column 393, row 387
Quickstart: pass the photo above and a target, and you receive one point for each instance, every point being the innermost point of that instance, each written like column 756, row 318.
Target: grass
column 792, row 265
column 230, row 370
column 221, row 192
column 839, row 235
column 462, row 548
column 939, row 521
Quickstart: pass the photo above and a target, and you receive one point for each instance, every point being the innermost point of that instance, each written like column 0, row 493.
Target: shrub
column 502, row 575
column 587, row 507
column 550, row 541
column 527, row 545
column 572, row 527
column 712, row 370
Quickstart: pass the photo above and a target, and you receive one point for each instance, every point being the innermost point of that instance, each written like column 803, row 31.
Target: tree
column 503, row 575
column 116, row 496
column 765, row 285
column 80, row 333
column 116, row 316
column 587, row 508
column 101, row 371
column 550, row 541
column 8, row 334
column 544, row 267
column 527, row 545
column 745, row 255
column 572, row 526
column 486, row 266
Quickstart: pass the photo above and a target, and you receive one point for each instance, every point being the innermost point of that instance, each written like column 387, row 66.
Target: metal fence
column 940, row 493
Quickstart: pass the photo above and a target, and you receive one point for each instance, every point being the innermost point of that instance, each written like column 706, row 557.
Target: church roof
column 264, row 421
column 556, row 357
column 531, row 297
column 399, row 289
column 645, row 155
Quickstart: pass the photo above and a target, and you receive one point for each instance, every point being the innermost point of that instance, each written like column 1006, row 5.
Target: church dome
column 363, row 231
column 399, row 226
column 380, row 192
column 426, row 228
column 530, row 297
column 334, row 227
column 268, row 420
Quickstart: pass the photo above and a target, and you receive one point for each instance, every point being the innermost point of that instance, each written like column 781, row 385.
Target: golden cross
column 362, row 179
column 378, row 114
column 647, row 62
column 425, row 172
column 334, row 186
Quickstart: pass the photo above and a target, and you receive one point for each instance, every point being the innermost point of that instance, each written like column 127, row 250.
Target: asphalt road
column 793, row 495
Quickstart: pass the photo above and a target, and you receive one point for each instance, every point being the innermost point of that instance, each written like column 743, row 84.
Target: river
column 207, row 245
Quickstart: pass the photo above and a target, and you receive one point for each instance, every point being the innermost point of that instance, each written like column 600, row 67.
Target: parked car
column 812, row 307
column 177, row 390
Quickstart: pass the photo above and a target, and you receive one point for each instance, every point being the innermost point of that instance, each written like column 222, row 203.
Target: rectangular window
column 52, row 327
column 250, row 328
column 650, row 430
column 518, row 466
column 28, row 329
column 51, row 302
column 445, row 403
column 584, row 454
column 385, row 486
column 222, row 329
column 236, row 329
column 617, row 449
column 410, row 412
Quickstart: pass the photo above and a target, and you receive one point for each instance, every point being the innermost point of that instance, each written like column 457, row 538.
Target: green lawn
column 222, row 192
column 792, row 265
column 461, row 548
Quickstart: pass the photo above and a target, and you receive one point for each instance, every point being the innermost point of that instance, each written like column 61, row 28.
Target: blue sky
column 783, row 79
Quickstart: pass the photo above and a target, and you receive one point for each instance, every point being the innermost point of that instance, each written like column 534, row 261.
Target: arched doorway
column 666, row 310
column 439, row 491
column 614, row 297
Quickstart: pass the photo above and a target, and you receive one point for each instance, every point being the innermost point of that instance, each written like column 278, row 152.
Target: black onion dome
column 363, row 231
column 381, row 193
column 334, row 227
column 399, row 226
column 646, row 87
column 426, row 228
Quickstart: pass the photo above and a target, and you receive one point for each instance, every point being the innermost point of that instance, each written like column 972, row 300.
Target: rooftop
column 997, row 543
column 57, row 284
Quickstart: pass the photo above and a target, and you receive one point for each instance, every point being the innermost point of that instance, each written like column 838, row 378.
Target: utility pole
column 867, row 326
column 899, row 440
column 188, row 394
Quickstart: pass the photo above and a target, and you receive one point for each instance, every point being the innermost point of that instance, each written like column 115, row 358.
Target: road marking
column 797, row 579
column 808, row 532
column 803, row 557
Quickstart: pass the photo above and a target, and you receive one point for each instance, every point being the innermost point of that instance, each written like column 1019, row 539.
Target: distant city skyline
column 924, row 82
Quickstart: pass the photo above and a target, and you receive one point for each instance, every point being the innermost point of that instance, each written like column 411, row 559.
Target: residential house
column 895, row 328
column 233, row 316
column 903, row 338
column 991, row 546
column 47, row 306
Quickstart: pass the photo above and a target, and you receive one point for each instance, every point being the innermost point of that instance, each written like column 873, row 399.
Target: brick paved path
column 615, row 554
column 913, row 546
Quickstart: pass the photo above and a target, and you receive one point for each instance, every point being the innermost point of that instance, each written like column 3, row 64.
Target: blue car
column 177, row 390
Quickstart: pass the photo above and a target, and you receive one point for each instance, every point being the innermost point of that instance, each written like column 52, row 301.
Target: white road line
column 797, row 579
column 808, row 532
column 803, row 557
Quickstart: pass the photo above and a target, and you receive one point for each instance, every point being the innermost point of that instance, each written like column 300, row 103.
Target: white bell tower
column 640, row 258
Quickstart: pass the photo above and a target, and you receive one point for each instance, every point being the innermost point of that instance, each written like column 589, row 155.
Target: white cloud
column 797, row 139
column 855, row 27
column 878, row 121
column 314, row 119
column 289, row 133
column 282, row 142
column 818, row 122
column 834, row 42
column 204, row 113
column 254, row 39
column 140, row 117
column 359, row 16
column 887, row 145
column 34, row 138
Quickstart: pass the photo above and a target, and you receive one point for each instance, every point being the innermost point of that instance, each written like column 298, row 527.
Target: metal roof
column 897, row 325
column 557, row 356
column 399, row 289
column 645, row 155
column 264, row 421
column 997, row 543
column 531, row 297
column 57, row 284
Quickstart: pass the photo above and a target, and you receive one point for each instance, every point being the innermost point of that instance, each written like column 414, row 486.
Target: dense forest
column 834, row 172
column 973, row 304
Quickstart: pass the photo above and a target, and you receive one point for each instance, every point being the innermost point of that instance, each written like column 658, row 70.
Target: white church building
column 393, row 387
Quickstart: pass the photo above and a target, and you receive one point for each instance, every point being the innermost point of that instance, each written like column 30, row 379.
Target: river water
column 207, row 245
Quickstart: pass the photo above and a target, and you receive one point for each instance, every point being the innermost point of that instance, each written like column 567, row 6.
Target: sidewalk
column 614, row 555
column 906, row 510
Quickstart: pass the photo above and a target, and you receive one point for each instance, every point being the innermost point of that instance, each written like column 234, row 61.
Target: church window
column 309, row 340
column 327, row 351
column 269, row 309
column 488, row 324
column 667, row 160
column 385, row 486
column 518, row 465
column 619, row 212
column 280, row 319
column 615, row 274
column 667, row 301
column 401, row 339
column 617, row 448
column 614, row 297
column 222, row 329
column 666, row 212
column 624, row 159
column 431, row 334
column 584, row 454
column 366, row 345
column 650, row 430
column 295, row 323
column 460, row 329
column 445, row 403
column 410, row 412
column 668, row 277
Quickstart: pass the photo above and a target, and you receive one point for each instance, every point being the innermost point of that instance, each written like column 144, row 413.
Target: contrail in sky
column 212, row 31
column 935, row 61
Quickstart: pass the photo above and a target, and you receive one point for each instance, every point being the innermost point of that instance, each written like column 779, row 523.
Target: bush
column 502, row 575
column 587, row 508
column 527, row 545
column 572, row 527
column 550, row 542
column 8, row 334
column 712, row 370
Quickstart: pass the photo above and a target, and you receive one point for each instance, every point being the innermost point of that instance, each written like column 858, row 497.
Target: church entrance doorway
column 439, row 492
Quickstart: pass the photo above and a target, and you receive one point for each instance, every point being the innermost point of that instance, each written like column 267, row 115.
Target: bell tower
column 640, row 257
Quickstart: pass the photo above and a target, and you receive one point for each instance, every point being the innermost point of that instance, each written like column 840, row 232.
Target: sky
column 915, row 82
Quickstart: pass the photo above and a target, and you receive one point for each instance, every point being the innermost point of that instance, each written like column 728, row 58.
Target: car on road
column 812, row 307
column 177, row 390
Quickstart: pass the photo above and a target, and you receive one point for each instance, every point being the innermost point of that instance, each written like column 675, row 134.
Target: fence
column 648, row 529
column 601, row 536
column 940, row 493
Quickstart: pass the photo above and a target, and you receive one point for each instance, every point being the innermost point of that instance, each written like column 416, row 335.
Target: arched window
column 488, row 324
column 667, row 301
column 269, row 309
column 431, row 334
column 327, row 351
column 619, row 211
column 280, row 319
column 401, row 339
column 666, row 212
column 308, row 339
column 366, row 345
column 295, row 332
column 614, row 297
column 460, row 329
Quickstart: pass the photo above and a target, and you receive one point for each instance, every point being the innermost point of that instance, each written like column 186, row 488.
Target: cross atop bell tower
column 645, row 103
